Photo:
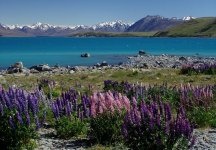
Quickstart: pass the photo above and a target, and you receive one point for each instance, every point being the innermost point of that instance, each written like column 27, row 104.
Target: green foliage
column 19, row 137
column 106, row 128
column 133, row 74
column 202, row 117
column 70, row 127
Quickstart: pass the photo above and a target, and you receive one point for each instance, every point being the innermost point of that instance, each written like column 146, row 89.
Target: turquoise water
column 66, row 51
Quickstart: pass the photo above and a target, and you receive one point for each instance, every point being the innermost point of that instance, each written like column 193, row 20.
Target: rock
column 25, row 70
column 16, row 68
column 46, row 125
column 104, row 63
column 177, row 65
column 159, row 63
column 34, row 71
column 98, row 65
column 142, row 52
column 11, row 70
column 18, row 65
column 41, row 67
column 85, row 55
column 182, row 58
column 144, row 66
column 76, row 68
column 57, row 66
column 71, row 72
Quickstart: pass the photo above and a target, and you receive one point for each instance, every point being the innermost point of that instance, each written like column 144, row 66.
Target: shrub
column 106, row 128
column 153, row 127
column 107, row 111
column 204, row 68
column 70, row 114
column 19, row 115
column 70, row 127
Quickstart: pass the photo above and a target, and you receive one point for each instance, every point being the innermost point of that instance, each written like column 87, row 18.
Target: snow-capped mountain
column 188, row 18
column 146, row 24
column 115, row 26
column 44, row 29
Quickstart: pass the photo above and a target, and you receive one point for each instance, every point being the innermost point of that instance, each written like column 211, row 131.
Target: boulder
column 18, row 65
column 41, row 68
column 104, row 63
column 182, row 58
column 85, row 55
column 34, row 71
column 11, row 70
column 144, row 66
column 76, row 68
column 142, row 52
column 71, row 72
column 16, row 68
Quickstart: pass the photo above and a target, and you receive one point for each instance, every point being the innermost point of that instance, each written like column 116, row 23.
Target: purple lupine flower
column 158, row 121
column 151, row 123
column 167, row 128
column 56, row 115
column 19, row 118
column 28, row 120
column 11, row 122
column 124, row 130
column 1, row 109
column 161, row 108
column 167, row 111
column 68, row 109
column 37, row 123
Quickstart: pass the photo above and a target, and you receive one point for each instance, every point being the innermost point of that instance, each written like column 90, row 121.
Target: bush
column 201, row 117
column 19, row 119
column 70, row 127
column 106, row 128
column 107, row 111
column 153, row 127
column 16, row 135
column 198, row 69
column 70, row 114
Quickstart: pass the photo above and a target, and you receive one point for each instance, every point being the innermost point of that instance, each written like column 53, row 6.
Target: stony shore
column 168, row 61
column 139, row 61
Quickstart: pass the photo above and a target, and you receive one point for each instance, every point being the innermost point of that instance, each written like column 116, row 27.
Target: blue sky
column 88, row 12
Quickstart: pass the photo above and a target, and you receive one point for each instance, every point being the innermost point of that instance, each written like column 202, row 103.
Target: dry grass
column 154, row 76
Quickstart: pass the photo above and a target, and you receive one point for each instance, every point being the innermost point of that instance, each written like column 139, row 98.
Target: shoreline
column 134, row 62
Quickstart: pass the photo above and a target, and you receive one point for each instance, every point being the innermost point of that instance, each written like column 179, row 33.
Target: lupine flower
column 152, row 126
column 19, row 118
column 28, row 120
column 37, row 123
column 11, row 122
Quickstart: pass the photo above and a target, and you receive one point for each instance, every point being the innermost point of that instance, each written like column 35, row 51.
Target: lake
column 67, row 51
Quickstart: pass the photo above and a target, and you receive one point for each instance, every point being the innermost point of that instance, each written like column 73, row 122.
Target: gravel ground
column 168, row 61
column 205, row 140
column 48, row 141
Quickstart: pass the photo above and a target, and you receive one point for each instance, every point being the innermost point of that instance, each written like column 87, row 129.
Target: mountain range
column 146, row 24
column 42, row 29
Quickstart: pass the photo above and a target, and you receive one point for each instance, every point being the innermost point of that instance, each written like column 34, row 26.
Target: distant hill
column 200, row 27
column 154, row 23
column 113, row 34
